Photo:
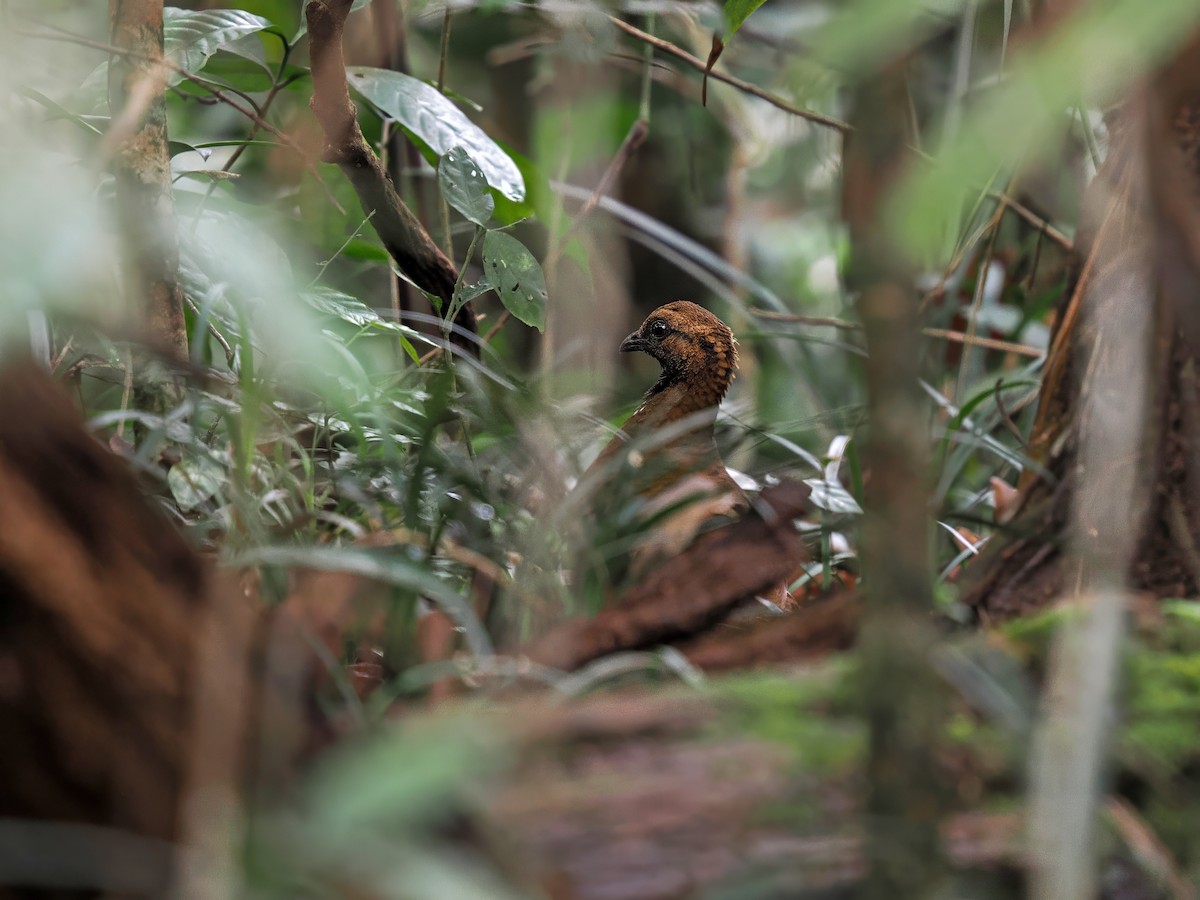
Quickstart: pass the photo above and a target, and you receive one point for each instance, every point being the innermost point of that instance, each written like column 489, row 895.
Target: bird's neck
column 686, row 393
column 672, row 401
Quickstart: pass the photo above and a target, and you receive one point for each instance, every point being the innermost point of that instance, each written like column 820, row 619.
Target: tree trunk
column 899, row 691
column 141, row 165
column 1143, row 208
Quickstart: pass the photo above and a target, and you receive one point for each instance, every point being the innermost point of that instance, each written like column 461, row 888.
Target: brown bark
column 1143, row 208
column 141, row 165
column 100, row 605
column 812, row 632
column 129, row 674
column 900, row 695
column 402, row 234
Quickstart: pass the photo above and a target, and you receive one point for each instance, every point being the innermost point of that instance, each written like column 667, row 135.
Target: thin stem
column 443, row 51
column 700, row 66
column 456, row 301
column 647, row 72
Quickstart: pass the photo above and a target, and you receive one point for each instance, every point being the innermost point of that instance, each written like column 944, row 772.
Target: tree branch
column 699, row 65
column 410, row 245
column 145, row 204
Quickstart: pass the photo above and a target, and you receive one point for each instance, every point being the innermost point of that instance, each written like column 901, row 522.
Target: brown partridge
column 672, row 457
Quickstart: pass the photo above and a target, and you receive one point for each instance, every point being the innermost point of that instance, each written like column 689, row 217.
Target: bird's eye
column 659, row 329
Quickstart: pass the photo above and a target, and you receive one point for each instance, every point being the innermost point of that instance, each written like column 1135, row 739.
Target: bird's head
column 692, row 345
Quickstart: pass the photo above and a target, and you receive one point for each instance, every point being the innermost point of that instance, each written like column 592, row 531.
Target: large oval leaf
column 464, row 186
column 515, row 274
column 191, row 37
column 190, row 40
column 437, row 122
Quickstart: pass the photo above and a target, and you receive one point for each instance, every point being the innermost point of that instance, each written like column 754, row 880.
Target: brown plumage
column 674, row 458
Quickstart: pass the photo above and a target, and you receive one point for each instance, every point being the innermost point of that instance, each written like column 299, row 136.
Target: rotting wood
column 818, row 628
column 692, row 590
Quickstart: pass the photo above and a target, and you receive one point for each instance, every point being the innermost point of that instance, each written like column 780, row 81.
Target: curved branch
column 402, row 234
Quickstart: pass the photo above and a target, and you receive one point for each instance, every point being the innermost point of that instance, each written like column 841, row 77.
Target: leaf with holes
column 512, row 270
column 464, row 186
column 438, row 122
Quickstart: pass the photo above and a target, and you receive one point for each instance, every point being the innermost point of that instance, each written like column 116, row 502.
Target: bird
column 665, row 455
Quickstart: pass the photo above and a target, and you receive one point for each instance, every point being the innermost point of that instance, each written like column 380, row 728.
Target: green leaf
column 515, row 274
column 737, row 12
column 464, row 186
column 438, row 122
column 352, row 311
column 194, row 480
column 191, row 37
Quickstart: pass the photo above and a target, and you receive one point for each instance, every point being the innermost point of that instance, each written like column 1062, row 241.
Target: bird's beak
column 633, row 342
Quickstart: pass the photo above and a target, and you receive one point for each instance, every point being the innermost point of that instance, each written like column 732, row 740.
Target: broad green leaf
column 515, row 274
column 737, row 12
column 353, row 311
column 191, row 37
column 194, row 480
column 464, row 186
column 438, row 122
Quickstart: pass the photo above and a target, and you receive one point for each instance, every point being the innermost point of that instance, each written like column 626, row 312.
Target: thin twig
column 1034, row 219
column 942, row 334
column 443, row 51
column 126, row 390
column 700, row 66
column 1006, row 417
column 495, row 329
column 987, row 343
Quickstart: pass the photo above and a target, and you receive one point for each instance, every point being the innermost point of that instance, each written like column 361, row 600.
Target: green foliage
column 737, row 12
column 464, row 186
column 810, row 715
column 192, row 37
column 316, row 417
column 515, row 274
column 437, row 123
